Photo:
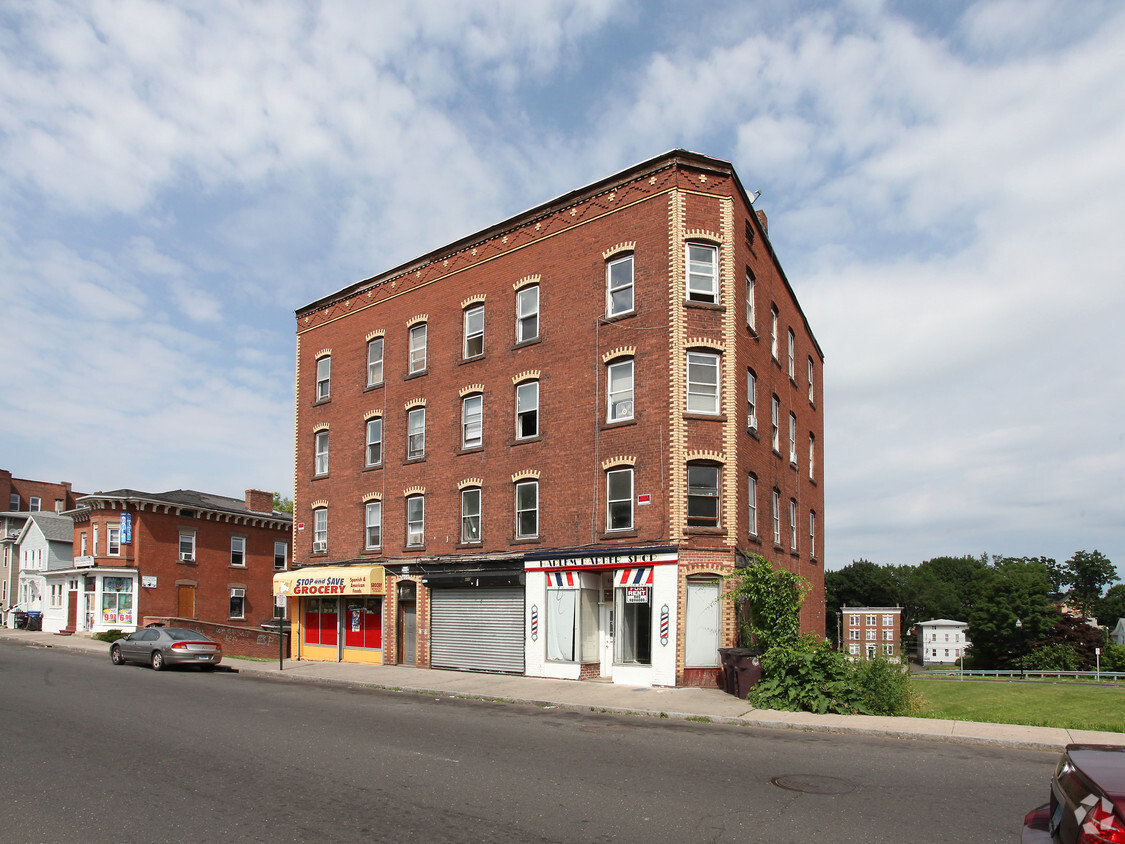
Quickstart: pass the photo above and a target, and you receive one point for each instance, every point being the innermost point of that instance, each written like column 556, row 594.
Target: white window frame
column 416, row 521
column 238, row 546
column 776, row 517
column 888, row 620
column 775, row 432
column 871, row 620
column 320, row 530
column 418, row 335
column 374, row 361
column 702, row 272
column 812, row 457
column 472, row 421
column 792, row 525
column 888, row 635
column 35, row 504
column 527, row 410
column 812, row 533
column 471, row 498
column 283, row 548
column 699, row 494
column 416, row 433
column 373, row 446
column 792, row 355
column 187, row 538
column 773, row 332
column 793, row 438
column 527, row 509
column 752, row 501
column 703, row 395
column 373, row 525
column 750, row 310
column 619, row 390
column 812, row 372
column 320, row 450
column 619, row 285
column 474, row 332
column 112, row 541
column 751, row 400
column 619, row 503
column 324, row 378
column 527, row 313
column 239, row 595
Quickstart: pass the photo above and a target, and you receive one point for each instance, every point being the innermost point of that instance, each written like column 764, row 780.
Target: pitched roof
column 186, row 498
column 55, row 528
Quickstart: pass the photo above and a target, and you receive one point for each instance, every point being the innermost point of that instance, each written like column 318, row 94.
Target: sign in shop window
column 364, row 621
column 117, row 600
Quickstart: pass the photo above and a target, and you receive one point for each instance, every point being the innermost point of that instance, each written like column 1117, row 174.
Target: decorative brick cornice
column 470, row 482
column 620, row 460
column 470, row 389
column 704, row 454
column 415, row 320
column 628, row 246
column 527, row 280
column 414, row 402
column 472, row 300
column 323, row 353
column 320, row 426
column 413, row 490
column 378, row 332
column 703, row 234
column 528, row 375
column 319, row 504
column 525, row 475
column 372, row 496
column 620, row 352
column 377, row 413
column 705, row 343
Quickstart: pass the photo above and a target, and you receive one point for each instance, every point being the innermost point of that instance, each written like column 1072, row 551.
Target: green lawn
column 1035, row 704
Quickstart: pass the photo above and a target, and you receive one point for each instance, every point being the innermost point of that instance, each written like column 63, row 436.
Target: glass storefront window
column 572, row 625
column 632, row 642
column 117, row 600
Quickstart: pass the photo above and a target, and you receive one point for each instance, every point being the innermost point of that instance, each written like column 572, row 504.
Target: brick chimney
column 259, row 501
column 765, row 223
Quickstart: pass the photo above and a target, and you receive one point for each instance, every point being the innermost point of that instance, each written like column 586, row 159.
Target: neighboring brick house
column 538, row 449
column 867, row 632
column 180, row 554
column 942, row 641
column 19, row 494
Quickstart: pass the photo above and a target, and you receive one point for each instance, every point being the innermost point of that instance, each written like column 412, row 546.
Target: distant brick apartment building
column 867, row 632
column 539, row 449
column 180, row 554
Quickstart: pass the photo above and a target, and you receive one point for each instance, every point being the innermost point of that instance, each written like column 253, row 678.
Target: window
column 374, row 452
column 812, row 392
column 752, row 501
column 36, row 504
column 58, row 505
column 187, row 546
column 117, row 600
column 14, row 502
column 888, row 635
column 82, row 538
column 527, row 410
column 324, row 378
column 853, row 620
column 702, row 382
column 418, row 348
column 373, row 524
column 527, row 314
column 632, row 642
column 474, row 332
column 703, row 496
column 793, row 438
column 619, row 377
column 870, row 621
column 415, row 521
column 527, row 509
column 238, row 603
column 416, row 433
column 888, row 620
column 321, row 466
column 792, row 355
column 812, row 457
column 750, row 299
column 702, row 622
column 792, row 525
column 571, row 621
column 472, row 421
column 619, row 499
column 889, row 650
column 773, row 332
column 853, row 650
column 871, row 634
column 112, row 540
column 853, row 635
column 702, row 273
column 470, row 515
column 280, row 556
column 238, row 550
column 812, row 533
column 320, row 530
column 619, row 286
column 775, row 412
column 375, row 362
column 751, row 401
column 776, row 517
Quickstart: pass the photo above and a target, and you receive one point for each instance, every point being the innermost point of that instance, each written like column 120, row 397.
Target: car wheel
column 115, row 656
column 157, row 660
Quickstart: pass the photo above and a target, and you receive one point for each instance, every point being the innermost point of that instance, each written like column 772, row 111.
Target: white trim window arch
column 323, row 377
column 703, row 382
column 418, row 334
column 474, row 331
column 527, row 313
column 472, row 421
column 619, row 281
column 415, row 521
column 619, row 390
column 527, row 509
column 703, row 493
column 373, row 524
column 702, row 272
column 416, row 433
column 373, row 444
column 619, row 498
column 320, row 530
column 471, row 515
column 320, row 466
column 527, row 409
column 374, row 361
column 751, row 401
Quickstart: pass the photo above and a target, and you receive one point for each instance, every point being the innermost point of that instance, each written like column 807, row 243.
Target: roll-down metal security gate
column 477, row 629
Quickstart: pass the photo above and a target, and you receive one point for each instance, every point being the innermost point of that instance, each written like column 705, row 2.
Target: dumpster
column 742, row 669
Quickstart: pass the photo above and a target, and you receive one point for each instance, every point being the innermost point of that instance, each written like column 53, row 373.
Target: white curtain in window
column 560, row 624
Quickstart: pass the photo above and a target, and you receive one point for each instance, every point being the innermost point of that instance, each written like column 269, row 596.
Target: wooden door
column 186, row 595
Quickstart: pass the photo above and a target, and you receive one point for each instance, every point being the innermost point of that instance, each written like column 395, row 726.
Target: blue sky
column 945, row 185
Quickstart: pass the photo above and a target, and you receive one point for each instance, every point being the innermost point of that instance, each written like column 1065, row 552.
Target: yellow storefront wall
column 329, row 581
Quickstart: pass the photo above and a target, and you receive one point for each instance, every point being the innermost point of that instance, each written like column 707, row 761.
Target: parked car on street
column 1087, row 802
column 164, row 646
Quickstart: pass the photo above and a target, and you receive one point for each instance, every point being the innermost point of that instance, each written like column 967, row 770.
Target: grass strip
column 1035, row 704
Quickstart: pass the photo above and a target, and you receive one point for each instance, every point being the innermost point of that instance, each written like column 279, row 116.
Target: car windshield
column 177, row 634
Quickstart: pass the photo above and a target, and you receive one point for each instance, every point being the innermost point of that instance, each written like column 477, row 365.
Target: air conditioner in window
column 185, row 557
column 238, row 593
column 320, row 546
column 623, row 410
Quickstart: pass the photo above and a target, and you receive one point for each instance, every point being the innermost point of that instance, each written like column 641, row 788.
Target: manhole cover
column 814, row 784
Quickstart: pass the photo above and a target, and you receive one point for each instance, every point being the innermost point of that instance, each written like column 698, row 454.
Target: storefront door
column 605, row 615
column 407, row 624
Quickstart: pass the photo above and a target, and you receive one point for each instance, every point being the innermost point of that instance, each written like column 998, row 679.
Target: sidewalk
column 691, row 704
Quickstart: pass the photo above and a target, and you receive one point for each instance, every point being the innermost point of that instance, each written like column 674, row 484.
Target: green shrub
column 885, row 687
column 1056, row 657
column 108, row 635
column 1113, row 657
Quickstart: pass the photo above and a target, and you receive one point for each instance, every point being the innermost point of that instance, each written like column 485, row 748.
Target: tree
column 282, row 505
column 1112, row 605
column 768, row 601
column 1007, row 591
column 858, row 584
column 1090, row 572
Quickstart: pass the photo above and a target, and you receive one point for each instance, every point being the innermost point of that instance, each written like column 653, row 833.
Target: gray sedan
column 163, row 646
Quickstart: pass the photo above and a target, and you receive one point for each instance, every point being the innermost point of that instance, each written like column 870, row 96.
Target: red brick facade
column 652, row 212
column 50, row 497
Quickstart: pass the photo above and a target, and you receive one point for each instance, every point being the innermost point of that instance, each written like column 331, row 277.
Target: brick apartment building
column 537, row 450
column 173, row 555
column 867, row 632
